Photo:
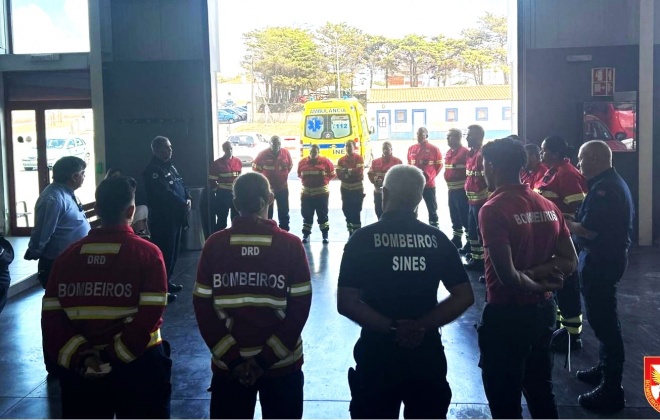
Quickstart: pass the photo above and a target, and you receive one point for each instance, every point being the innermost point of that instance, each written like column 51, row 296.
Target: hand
column 255, row 370
column 188, row 205
column 29, row 256
column 91, row 360
column 554, row 281
column 409, row 333
column 242, row 373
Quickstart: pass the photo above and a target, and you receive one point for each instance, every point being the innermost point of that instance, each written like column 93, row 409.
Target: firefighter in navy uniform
column 565, row 186
column 103, row 305
column 252, row 299
column 399, row 356
column 603, row 228
column 350, row 171
column 169, row 202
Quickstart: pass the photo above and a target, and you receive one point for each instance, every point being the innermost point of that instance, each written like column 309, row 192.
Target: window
column 49, row 26
column 451, row 114
column 400, row 116
column 506, row 113
column 482, row 114
column 341, row 126
column 314, row 126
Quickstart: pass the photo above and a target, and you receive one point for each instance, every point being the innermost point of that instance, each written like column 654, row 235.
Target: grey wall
column 553, row 90
column 581, row 23
column 156, row 81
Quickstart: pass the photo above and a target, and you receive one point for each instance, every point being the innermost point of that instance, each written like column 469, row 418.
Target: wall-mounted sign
column 602, row 81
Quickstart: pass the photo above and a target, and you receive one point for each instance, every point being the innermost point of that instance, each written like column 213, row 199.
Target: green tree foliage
column 343, row 48
column 286, row 59
column 294, row 61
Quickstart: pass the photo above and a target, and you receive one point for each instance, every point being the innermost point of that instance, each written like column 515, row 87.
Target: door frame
column 43, row 173
column 389, row 123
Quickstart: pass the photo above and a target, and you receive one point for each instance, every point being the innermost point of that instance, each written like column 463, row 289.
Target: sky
column 376, row 17
column 45, row 26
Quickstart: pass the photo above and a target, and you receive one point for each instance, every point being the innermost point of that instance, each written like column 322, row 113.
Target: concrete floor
column 328, row 342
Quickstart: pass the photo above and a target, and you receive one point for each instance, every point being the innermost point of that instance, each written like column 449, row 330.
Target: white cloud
column 34, row 31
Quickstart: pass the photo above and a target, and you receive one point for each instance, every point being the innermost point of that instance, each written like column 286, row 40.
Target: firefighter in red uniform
column 459, row 209
column 376, row 174
column 315, row 172
column 275, row 164
column 428, row 158
column 102, row 313
column 222, row 174
column 252, row 299
column 535, row 170
column 350, row 171
column 565, row 186
column 528, row 254
column 477, row 194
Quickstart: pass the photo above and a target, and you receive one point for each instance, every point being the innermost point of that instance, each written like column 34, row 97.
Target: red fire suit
column 252, row 299
column 350, row 170
column 108, row 291
column 315, row 177
column 222, row 174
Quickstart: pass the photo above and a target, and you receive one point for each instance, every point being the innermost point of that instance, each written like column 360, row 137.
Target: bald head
column 403, row 187
column 594, row 157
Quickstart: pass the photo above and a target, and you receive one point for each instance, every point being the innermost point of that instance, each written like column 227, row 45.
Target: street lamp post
column 337, row 63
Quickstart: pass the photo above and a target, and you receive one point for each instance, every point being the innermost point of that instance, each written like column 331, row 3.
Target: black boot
column 592, row 376
column 474, row 265
column 467, row 249
column 560, row 342
column 325, row 237
column 606, row 398
column 458, row 243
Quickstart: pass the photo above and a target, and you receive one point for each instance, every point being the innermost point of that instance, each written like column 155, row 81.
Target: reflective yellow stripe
column 69, row 349
column 291, row 358
column 301, row 289
column 269, row 168
column 122, row 351
column 574, row 198
column 448, row 166
column 202, row 291
column 261, row 240
column 236, row 301
column 155, row 338
column 99, row 312
column 225, row 186
column 155, row 299
column 280, row 349
column 547, row 194
column 352, row 186
column 223, row 345
column 100, row 249
column 456, row 183
column 213, row 177
column 474, row 173
column 228, row 174
column 312, row 173
column 315, row 190
column 50, row 304
column 250, row 351
column 483, row 194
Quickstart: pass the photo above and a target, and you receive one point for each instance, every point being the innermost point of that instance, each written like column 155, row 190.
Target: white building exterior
column 396, row 114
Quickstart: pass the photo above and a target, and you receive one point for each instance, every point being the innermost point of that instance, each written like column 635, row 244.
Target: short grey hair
column 405, row 185
column 456, row 132
column 599, row 149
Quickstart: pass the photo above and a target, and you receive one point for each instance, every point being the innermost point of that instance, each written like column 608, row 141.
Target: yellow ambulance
column 330, row 123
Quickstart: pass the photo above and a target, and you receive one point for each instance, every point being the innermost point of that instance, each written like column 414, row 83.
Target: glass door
column 41, row 134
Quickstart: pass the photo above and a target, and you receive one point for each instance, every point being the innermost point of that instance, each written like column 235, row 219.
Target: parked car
column 56, row 149
column 595, row 129
column 240, row 111
column 237, row 116
column 226, row 117
column 248, row 145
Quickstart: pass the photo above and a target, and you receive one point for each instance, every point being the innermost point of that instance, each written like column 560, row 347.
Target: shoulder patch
column 154, row 175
